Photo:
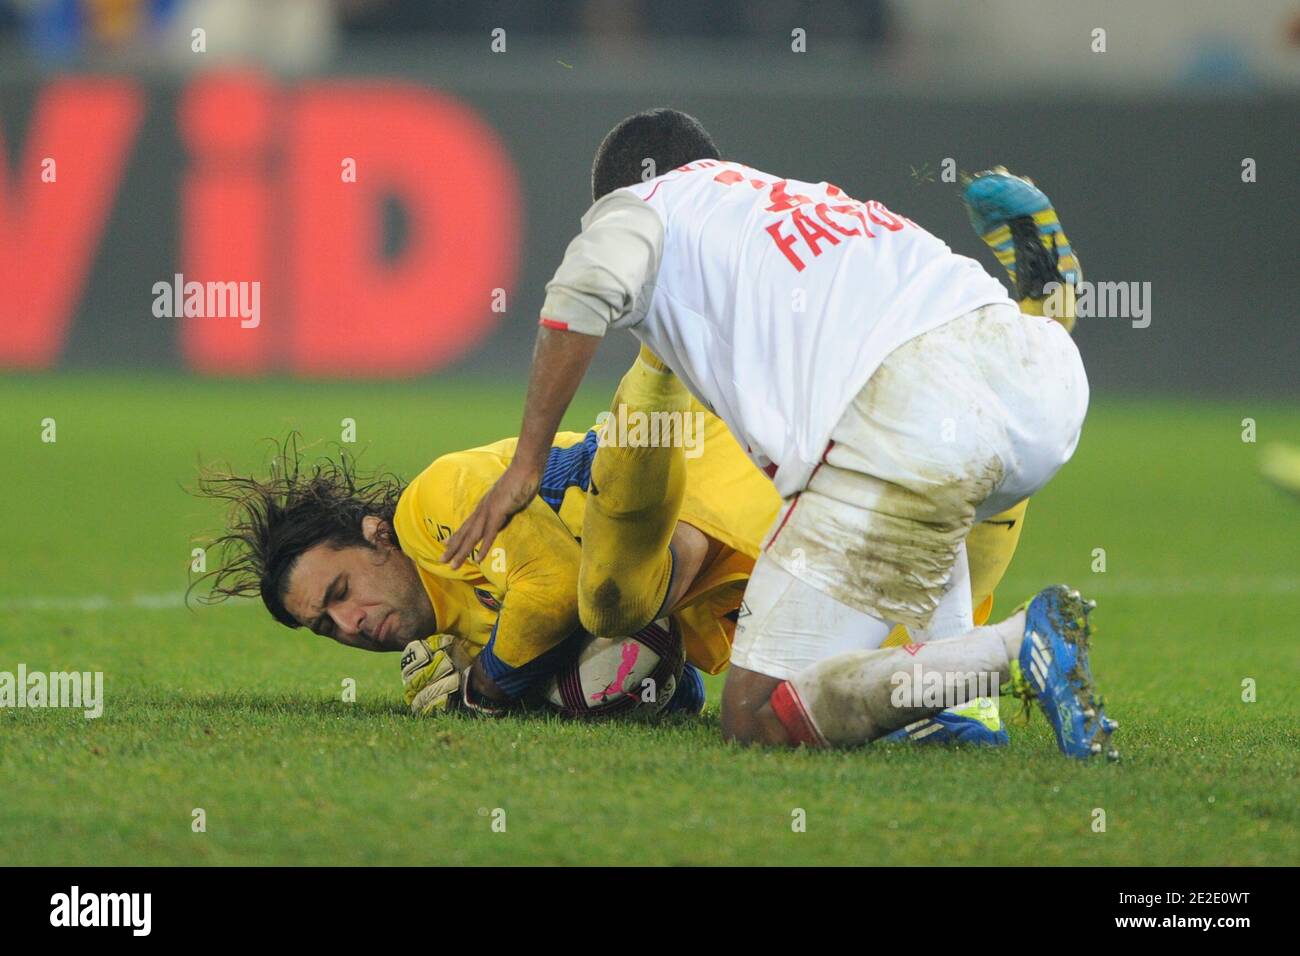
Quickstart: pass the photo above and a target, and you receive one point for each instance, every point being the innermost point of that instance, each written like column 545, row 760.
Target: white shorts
column 956, row 425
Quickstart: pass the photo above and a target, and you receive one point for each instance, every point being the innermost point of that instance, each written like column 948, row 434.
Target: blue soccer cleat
column 976, row 723
column 1053, row 671
column 1016, row 220
column 689, row 696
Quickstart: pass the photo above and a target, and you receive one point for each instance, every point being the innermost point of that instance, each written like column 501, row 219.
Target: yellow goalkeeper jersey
column 522, row 595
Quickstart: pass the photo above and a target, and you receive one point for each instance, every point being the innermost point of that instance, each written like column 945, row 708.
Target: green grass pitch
column 222, row 709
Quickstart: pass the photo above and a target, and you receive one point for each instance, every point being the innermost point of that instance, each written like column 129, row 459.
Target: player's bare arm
column 604, row 269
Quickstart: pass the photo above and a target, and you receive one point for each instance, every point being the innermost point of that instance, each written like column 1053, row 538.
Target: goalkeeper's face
column 366, row 597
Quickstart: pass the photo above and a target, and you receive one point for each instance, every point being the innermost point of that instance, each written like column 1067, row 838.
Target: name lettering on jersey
column 811, row 226
column 441, row 532
column 698, row 164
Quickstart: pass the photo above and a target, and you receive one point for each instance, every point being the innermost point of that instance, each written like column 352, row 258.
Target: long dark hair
column 272, row 521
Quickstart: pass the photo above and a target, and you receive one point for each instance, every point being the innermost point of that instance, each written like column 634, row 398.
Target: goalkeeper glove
column 436, row 678
column 431, row 681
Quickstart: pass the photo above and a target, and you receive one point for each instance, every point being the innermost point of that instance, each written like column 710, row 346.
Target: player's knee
column 759, row 727
column 747, row 716
column 738, row 725
column 607, row 609
column 599, row 600
column 619, row 598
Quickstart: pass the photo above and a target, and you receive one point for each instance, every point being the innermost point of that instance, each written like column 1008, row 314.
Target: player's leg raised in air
column 1018, row 222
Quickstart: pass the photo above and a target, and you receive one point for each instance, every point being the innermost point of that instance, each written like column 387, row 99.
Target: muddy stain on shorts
column 879, row 526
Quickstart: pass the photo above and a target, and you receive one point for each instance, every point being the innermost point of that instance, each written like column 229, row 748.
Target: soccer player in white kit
column 890, row 388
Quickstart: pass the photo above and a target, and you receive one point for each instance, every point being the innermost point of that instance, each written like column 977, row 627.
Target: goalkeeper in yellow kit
column 356, row 559
column 529, row 582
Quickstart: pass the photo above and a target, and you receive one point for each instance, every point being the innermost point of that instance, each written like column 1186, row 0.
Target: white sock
column 1012, row 632
column 857, row 697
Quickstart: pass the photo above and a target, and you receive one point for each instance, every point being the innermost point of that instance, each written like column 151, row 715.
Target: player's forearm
column 560, row 360
column 483, row 686
column 519, row 653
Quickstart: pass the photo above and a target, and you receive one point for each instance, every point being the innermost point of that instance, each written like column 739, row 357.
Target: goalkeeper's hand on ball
column 431, row 681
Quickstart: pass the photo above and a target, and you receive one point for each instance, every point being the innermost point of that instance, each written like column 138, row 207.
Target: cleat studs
column 1096, row 748
column 1112, row 754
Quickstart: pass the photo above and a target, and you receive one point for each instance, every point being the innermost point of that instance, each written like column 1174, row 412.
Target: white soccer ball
column 626, row 676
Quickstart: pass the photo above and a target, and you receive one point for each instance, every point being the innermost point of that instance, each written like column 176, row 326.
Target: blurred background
column 401, row 178
column 213, row 138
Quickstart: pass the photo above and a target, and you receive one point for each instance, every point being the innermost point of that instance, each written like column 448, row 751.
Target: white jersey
column 773, row 300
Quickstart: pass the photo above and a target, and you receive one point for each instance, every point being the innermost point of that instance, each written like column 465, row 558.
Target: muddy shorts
column 955, row 426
